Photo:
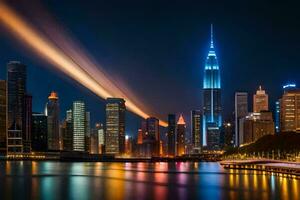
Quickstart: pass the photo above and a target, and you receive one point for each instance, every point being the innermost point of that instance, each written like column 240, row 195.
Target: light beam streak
column 86, row 74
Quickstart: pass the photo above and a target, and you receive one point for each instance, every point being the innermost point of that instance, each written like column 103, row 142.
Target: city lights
column 88, row 76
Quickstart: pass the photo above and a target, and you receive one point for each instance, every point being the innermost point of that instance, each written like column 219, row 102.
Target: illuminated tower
column 196, row 130
column 115, row 126
column 180, row 137
column 52, row 113
column 211, row 92
column 260, row 101
column 79, row 126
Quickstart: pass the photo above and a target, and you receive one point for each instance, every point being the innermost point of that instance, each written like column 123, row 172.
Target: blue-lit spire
column 211, row 36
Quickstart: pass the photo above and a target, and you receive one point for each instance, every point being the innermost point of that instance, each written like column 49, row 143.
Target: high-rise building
column 213, row 136
column 3, row 118
column 277, row 116
column 16, row 89
column 128, row 145
column 101, row 137
column 196, row 130
column 115, row 126
column 180, row 137
column 171, row 134
column 260, row 101
column 151, row 139
column 68, row 131
column 290, row 111
column 79, row 126
column 228, row 133
column 27, row 123
column 240, row 111
column 52, row 113
column 257, row 125
column 211, row 92
column 140, row 136
column 39, row 131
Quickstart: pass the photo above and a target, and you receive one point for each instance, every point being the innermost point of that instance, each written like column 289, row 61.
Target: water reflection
column 181, row 180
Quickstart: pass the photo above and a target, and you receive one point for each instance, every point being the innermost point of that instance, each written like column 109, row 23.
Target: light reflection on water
column 180, row 180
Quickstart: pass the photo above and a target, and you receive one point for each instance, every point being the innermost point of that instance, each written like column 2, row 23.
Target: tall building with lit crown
column 171, row 135
column 16, row 90
column 240, row 111
column 3, row 117
column 290, row 111
column 196, row 130
column 211, row 92
column 260, row 101
column 52, row 113
column 180, row 137
column 115, row 126
column 79, row 126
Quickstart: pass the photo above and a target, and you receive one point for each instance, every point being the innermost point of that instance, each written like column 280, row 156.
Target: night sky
column 158, row 49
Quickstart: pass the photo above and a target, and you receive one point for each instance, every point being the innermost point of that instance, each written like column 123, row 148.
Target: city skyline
column 200, row 40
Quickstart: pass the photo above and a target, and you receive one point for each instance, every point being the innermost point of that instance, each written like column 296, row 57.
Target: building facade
column 240, row 111
column 196, row 130
column 151, row 140
column 16, row 90
column 260, row 101
column 39, row 131
column 67, row 133
column 180, row 136
column 171, row 135
column 27, row 123
column 211, row 92
column 290, row 111
column 115, row 126
column 79, row 126
column 52, row 113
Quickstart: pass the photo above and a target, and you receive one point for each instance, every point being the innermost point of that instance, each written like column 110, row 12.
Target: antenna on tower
column 211, row 36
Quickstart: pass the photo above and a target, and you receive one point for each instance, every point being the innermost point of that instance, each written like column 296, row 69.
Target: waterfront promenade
column 286, row 168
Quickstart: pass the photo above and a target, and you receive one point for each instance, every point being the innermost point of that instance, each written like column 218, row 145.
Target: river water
column 181, row 180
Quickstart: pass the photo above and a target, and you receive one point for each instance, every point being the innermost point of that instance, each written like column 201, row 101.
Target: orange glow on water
column 76, row 65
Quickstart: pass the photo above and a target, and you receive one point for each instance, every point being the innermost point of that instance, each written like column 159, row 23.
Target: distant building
column 257, row 125
column 180, row 139
column 3, row 118
column 211, row 92
column 52, row 113
column 79, row 126
column 97, row 139
column 27, row 122
column 213, row 136
column 16, row 90
column 39, row 131
column 277, row 116
column 196, row 130
column 228, row 134
column 171, row 135
column 151, row 140
column 240, row 111
column 128, row 145
column 115, row 126
column 290, row 111
column 140, row 136
column 67, row 133
column 260, row 101
column 101, row 138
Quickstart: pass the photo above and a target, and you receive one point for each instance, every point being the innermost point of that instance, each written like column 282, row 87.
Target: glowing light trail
column 24, row 32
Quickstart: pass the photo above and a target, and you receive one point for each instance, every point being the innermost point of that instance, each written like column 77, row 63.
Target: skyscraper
column 151, row 140
column 260, row 101
column 16, row 89
column 211, row 92
column 171, row 134
column 39, row 131
column 3, row 117
column 68, row 131
column 196, row 130
column 115, row 126
column 180, row 137
column 240, row 111
column 290, row 111
column 87, row 131
column 79, row 126
column 52, row 113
